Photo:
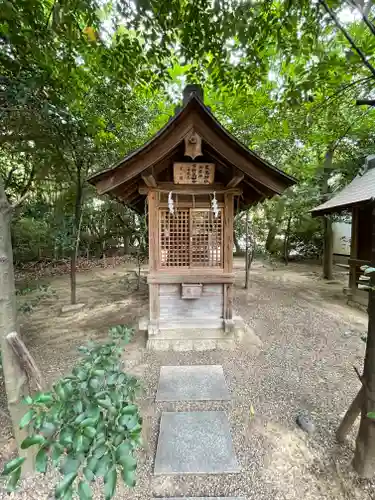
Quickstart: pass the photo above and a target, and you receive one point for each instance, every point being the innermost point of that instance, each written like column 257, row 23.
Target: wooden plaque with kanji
column 193, row 173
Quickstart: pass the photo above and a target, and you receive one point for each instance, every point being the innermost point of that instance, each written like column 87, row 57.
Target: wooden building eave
column 258, row 178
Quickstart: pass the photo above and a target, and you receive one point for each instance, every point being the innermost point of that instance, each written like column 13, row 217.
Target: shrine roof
column 260, row 178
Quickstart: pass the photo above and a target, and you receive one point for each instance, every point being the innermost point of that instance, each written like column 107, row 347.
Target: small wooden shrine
column 356, row 199
column 191, row 177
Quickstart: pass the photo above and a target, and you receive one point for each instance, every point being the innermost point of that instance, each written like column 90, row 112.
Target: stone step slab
column 195, row 443
column 192, row 383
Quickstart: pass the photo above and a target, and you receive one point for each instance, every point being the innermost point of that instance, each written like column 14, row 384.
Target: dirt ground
column 311, row 340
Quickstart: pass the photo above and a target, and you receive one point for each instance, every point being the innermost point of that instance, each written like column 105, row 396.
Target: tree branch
column 347, row 36
column 19, row 201
column 364, row 13
column 9, row 177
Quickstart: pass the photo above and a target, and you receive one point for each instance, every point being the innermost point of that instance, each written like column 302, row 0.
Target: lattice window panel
column 190, row 238
column 174, row 238
column 206, row 238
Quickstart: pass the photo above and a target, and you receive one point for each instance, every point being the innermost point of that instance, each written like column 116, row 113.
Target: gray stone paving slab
column 195, row 443
column 192, row 383
column 202, row 498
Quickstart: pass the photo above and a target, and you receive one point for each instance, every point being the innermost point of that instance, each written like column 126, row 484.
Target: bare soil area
column 311, row 340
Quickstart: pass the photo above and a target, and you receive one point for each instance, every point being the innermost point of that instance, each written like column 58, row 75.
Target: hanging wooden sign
column 193, row 173
column 193, row 145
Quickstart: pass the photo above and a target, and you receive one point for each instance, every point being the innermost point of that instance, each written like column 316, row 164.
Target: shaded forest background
column 84, row 84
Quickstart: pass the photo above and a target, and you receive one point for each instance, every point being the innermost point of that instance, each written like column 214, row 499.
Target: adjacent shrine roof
column 361, row 190
column 258, row 178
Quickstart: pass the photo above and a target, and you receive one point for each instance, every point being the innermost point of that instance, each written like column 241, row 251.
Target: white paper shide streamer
column 170, row 203
column 215, row 207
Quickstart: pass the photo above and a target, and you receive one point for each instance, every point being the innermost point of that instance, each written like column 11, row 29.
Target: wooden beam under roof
column 149, row 179
column 237, row 178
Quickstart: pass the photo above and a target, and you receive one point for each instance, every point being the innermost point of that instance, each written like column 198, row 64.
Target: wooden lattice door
column 190, row 238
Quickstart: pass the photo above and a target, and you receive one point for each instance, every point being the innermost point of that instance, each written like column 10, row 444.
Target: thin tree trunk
column 76, row 231
column 14, row 377
column 327, row 222
column 126, row 243
column 286, row 240
column 274, row 226
column 236, row 243
column 247, row 256
column 364, row 458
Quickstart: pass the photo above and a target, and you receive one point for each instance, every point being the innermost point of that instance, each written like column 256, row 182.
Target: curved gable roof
column 194, row 115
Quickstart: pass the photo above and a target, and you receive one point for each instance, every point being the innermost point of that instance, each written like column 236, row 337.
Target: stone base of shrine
column 198, row 335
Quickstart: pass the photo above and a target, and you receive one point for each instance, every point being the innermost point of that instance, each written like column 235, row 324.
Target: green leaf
column 123, row 450
column 99, row 373
column 105, row 403
column 57, row 450
column 44, row 397
column 84, row 491
column 27, row 418
column 129, row 410
column 41, row 460
column 94, row 383
column 68, row 494
column 80, row 419
column 13, row 479
column 110, row 483
column 99, row 451
column 89, row 422
column 103, row 465
column 48, row 429
column 129, row 421
column 12, row 465
column 90, row 468
column 66, row 436
column 128, row 462
column 70, row 465
column 79, row 444
column 89, row 432
column 31, row 440
column 63, row 486
column 129, row 477
column 78, row 407
column 371, row 414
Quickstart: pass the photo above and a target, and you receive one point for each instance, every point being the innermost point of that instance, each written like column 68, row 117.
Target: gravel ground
column 311, row 340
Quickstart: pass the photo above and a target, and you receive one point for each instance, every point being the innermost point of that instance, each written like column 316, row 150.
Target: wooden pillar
column 364, row 458
column 353, row 251
column 153, row 249
column 228, row 258
column 228, row 232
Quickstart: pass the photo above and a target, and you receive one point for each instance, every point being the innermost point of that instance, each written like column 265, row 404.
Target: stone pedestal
column 198, row 335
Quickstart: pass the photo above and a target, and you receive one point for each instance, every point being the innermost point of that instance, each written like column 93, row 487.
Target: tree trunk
column 286, row 240
column 76, row 232
column 14, row 377
column 274, row 225
column 236, row 243
column 327, row 223
column 364, row 458
column 247, row 256
column 126, row 243
column 327, row 248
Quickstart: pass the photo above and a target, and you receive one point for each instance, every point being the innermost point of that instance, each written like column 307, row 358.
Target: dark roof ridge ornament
column 191, row 90
column 369, row 163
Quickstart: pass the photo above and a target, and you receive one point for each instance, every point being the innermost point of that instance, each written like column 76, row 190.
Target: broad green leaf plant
column 88, row 425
